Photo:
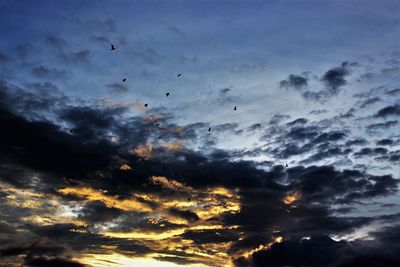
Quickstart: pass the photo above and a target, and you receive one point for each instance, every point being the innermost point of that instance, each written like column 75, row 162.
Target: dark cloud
column 97, row 211
column 318, row 112
column 370, row 101
column 385, row 142
column 117, row 88
column 323, row 251
column 43, row 72
column 294, row 81
column 316, row 251
column 73, row 148
column 60, row 46
column 80, row 56
column 254, row 127
column 56, row 42
column 335, row 78
column 299, row 121
column 101, row 40
column 381, row 125
column 367, row 151
column 393, row 92
column 23, row 50
column 356, row 142
column 36, row 253
column 4, row 57
column 393, row 110
column 225, row 96
column 176, row 30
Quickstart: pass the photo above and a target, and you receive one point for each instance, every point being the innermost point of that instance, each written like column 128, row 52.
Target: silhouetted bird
column 287, row 165
column 157, row 124
column 209, row 129
column 145, row 105
column 234, row 108
column 159, row 137
column 124, row 80
column 70, row 131
column 167, row 94
column 179, row 75
column 112, row 47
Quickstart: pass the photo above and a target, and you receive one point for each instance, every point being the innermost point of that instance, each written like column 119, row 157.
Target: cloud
column 176, row 30
column 294, row 81
column 60, row 45
column 393, row 110
column 117, row 88
column 385, row 142
column 37, row 253
column 56, row 42
column 370, row 101
column 381, row 125
column 43, row 72
column 23, row 50
column 4, row 57
column 335, row 78
column 100, row 39
column 63, row 183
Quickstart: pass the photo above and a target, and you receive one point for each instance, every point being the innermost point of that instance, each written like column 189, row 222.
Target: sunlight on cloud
column 118, row 260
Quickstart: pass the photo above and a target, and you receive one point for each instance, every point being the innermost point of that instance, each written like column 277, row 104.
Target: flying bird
column 179, row 75
column 209, row 129
column 145, row 105
column 287, row 165
column 124, row 79
column 112, row 47
column 167, row 94
column 157, row 124
column 234, row 108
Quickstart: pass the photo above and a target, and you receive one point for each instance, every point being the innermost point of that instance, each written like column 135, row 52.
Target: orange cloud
column 125, row 167
column 291, row 197
column 90, row 194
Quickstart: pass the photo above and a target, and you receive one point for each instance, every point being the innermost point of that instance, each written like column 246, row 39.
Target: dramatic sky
column 279, row 145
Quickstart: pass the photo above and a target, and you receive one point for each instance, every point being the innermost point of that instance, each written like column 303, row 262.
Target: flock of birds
column 167, row 94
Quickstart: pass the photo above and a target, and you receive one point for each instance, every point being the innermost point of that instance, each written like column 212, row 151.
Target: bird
column 179, row 75
column 124, row 79
column 287, row 165
column 167, row 94
column 157, row 124
column 112, row 47
column 145, row 105
column 234, row 108
column 209, row 129
column 189, row 199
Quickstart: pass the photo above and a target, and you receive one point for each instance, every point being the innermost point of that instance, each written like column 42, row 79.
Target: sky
column 277, row 145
